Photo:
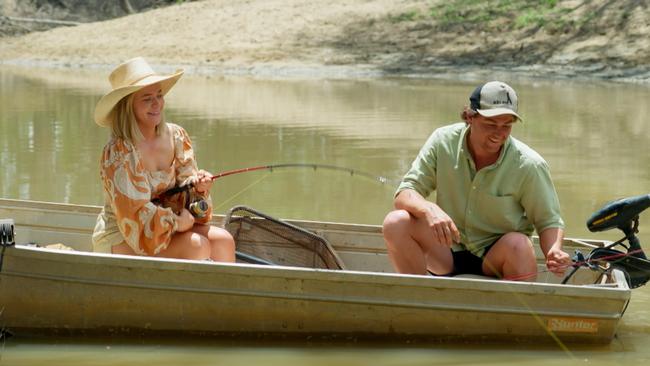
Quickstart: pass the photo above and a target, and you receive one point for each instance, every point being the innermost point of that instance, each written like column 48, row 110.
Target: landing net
column 278, row 242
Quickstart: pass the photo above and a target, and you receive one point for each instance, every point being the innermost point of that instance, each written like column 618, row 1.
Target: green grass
column 404, row 17
column 497, row 14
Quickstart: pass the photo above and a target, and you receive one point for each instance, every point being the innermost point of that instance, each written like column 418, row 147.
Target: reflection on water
column 593, row 135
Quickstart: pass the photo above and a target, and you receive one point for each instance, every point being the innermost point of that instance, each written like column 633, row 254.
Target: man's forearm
column 549, row 238
column 412, row 202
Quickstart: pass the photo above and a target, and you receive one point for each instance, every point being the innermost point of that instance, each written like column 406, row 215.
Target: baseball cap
column 494, row 98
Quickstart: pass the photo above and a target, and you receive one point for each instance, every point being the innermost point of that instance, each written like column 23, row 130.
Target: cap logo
column 507, row 101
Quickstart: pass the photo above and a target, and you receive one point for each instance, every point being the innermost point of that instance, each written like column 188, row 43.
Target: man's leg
column 511, row 257
column 411, row 247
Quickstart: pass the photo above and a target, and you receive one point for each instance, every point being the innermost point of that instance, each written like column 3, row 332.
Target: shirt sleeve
column 146, row 228
column 187, row 171
column 422, row 175
column 540, row 200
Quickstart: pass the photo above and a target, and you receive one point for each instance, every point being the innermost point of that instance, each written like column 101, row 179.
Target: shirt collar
column 463, row 150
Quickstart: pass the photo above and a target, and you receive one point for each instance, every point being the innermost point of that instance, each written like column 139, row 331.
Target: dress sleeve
column 186, row 169
column 146, row 228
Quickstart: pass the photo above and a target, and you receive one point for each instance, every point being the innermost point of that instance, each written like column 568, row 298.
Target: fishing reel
column 198, row 208
column 622, row 214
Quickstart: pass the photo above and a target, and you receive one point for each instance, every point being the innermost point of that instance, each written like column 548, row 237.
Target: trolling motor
column 7, row 236
column 622, row 214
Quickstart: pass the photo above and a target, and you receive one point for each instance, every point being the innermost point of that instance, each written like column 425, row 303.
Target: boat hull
column 49, row 291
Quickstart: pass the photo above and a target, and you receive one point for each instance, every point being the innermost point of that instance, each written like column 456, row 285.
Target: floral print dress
column 129, row 215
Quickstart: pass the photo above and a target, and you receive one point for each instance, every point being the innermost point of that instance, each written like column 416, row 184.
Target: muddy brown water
column 594, row 135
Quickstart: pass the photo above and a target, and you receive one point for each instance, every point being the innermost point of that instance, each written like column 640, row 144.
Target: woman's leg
column 122, row 248
column 187, row 245
column 221, row 242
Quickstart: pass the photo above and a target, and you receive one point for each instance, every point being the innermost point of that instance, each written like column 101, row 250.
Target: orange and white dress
column 129, row 215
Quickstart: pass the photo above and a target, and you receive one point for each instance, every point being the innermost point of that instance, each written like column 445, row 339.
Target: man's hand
column 204, row 182
column 444, row 230
column 550, row 240
column 557, row 261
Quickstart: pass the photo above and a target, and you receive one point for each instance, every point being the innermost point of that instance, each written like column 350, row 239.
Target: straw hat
column 127, row 78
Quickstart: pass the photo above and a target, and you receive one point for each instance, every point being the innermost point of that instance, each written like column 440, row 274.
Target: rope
column 2, row 257
column 575, row 264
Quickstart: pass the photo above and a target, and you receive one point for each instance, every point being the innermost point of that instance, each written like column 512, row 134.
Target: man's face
column 488, row 134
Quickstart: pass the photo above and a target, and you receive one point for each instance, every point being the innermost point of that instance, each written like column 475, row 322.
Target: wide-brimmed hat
column 494, row 98
column 127, row 78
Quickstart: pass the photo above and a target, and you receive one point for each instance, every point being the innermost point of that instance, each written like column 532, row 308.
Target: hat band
column 132, row 83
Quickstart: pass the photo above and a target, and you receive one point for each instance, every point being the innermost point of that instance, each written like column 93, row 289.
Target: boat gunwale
column 329, row 275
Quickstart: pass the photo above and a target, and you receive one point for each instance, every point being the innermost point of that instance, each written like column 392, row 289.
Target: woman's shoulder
column 177, row 132
column 117, row 151
column 118, row 145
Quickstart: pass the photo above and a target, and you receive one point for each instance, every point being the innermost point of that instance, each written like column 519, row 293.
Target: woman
column 145, row 157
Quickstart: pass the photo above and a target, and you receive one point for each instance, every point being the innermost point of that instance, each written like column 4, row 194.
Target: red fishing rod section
column 273, row 167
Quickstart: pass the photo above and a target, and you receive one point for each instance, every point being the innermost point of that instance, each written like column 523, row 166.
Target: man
column 492, row 190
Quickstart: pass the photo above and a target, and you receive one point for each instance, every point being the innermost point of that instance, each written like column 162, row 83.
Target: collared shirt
column 515, row 194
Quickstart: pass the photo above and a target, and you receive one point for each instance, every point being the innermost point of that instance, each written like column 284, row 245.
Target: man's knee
column 395, row 223
column 518, row 243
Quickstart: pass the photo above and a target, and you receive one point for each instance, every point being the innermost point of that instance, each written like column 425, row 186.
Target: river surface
column 595, row 136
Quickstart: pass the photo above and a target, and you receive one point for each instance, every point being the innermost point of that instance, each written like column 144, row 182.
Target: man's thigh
column 436, row 255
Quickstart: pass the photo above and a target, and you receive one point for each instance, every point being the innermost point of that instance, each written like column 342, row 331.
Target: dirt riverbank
column 597, row 39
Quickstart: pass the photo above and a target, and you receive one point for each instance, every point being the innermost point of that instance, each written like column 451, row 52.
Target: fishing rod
column 272, row 167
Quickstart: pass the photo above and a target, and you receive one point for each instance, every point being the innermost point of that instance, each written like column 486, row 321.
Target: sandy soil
column 350, row 38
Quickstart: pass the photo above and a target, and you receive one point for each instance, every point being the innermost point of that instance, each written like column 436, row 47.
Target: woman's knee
column 220, row 235
column 199, row 246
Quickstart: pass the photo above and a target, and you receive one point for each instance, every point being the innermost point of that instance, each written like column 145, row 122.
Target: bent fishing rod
column 272, row 167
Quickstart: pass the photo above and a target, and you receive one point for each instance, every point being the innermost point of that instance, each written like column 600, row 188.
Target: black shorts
column 467, row 263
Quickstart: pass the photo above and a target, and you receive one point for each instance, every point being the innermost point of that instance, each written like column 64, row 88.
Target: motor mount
column 622, row 214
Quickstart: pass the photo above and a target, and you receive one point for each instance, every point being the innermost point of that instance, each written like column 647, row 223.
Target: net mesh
column 278, row 242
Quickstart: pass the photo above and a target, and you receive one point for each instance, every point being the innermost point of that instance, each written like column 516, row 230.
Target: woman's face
column 148, row 104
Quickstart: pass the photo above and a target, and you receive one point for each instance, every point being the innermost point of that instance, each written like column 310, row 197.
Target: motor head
column 618, row 214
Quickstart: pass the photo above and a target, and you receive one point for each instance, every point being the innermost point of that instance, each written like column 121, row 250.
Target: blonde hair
column 124, row 125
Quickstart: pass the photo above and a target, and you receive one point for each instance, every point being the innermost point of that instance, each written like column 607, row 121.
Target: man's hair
column 124, row 124
column 467, row 113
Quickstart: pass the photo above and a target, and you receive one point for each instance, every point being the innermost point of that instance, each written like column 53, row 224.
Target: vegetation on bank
column 553, row 16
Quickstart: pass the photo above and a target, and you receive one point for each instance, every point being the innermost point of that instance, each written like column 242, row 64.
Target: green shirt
column 515, row 194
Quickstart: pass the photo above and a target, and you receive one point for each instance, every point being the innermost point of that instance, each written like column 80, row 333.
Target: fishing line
column 537, row 318
column 240, row 192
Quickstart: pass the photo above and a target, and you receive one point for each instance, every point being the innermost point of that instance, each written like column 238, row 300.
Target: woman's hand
column 184, row 221
column 203, row 183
